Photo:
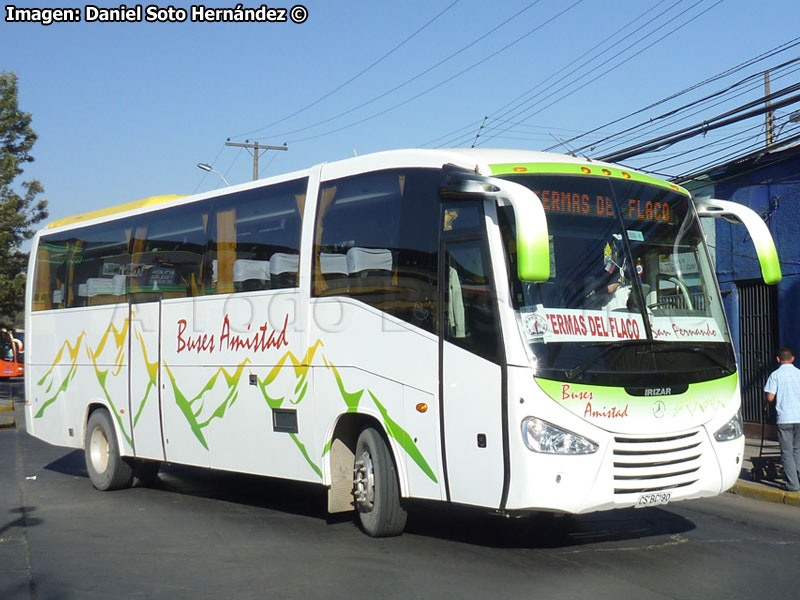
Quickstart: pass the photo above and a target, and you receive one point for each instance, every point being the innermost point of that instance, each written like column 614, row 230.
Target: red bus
column 12, row 358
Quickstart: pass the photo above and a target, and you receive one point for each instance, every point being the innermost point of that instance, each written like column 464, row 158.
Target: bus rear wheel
column 108, row 470
column 375, row 487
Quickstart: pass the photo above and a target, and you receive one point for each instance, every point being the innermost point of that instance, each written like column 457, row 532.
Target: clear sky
column 125, row 111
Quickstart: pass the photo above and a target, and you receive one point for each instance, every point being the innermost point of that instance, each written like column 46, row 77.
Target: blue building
column 762, row 318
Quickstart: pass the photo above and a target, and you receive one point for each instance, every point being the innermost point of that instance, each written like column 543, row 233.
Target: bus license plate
column 655, row 499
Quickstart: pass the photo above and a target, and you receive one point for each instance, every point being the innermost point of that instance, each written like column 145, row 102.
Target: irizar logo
column 657, row 391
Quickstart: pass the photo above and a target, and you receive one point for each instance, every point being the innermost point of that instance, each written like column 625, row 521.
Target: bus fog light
column 731, row 430
column 544, row 437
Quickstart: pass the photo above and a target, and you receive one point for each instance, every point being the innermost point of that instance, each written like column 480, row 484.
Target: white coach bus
column 505, row 329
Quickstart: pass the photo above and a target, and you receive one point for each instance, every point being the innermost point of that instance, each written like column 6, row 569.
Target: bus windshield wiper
column 581, row 367
column 695, row 348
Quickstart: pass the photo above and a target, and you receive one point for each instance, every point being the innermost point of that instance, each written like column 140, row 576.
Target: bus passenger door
column 471, row 361
column 145, row 398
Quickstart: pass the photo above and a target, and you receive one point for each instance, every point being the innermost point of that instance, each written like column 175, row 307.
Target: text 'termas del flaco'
column 153, row 13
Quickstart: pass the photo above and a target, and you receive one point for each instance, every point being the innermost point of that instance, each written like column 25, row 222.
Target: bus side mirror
column 533, row 240
column 758, row 230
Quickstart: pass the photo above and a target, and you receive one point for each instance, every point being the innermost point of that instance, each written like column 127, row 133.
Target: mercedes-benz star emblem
column 659, row 409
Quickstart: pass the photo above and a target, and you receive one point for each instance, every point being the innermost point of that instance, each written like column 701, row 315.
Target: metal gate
column 758, row 345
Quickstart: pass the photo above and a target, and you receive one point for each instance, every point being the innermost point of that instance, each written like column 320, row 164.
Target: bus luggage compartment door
column 145, row 396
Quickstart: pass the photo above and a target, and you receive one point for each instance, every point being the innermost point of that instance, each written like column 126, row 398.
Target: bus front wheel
column 108, row 470
column 376, row 488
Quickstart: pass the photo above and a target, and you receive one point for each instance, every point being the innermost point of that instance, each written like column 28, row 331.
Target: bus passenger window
column 167, row 251
column 254, row 239
column 83, row 267
column 376, row 240
column 51, row 260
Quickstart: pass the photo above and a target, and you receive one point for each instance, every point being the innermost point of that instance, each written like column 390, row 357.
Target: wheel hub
column 364, row 483
column 98, row 450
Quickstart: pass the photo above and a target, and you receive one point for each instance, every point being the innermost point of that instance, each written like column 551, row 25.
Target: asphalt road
column 203, row 534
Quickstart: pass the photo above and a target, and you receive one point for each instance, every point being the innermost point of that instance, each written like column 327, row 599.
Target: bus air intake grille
column 647, row 464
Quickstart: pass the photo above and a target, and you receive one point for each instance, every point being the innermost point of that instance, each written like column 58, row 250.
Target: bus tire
column 108, row 470
column 376, row 488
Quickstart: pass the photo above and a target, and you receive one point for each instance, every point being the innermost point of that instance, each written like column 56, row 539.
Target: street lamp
column 794, row 117
column 207, row 167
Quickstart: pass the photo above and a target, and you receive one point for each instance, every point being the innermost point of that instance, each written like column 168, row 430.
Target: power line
column 697, row 174
column 708, row 125
column 407, row 81
column 199, row 183
column 724, row 95
column 634, row 55
column 354, row 77
column 586, row 63
column 256, row 148
column 738, row 142
column 759, row 58
column 449, row 79
column 753, row 142
column 665, row 157
column 470, row 127
column 753, row 152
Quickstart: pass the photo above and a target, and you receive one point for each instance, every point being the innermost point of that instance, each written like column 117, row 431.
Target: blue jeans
column 789, row 438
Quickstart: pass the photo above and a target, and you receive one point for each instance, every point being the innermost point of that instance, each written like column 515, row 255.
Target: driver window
column 470, row 320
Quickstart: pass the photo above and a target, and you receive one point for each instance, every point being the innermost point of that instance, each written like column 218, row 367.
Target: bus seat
column 362, row 261
column 283, row 269
column 105, row 290
column 333, row 267
column 251, row 274
column 114, row 286
column 369, row 269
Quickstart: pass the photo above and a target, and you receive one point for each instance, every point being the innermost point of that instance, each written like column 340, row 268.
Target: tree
column 19, row 208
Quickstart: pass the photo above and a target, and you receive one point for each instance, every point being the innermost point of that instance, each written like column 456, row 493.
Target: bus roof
column 113, row 210
column 486, row 161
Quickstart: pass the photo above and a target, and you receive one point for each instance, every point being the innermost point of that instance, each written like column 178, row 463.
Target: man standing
column 784, row 385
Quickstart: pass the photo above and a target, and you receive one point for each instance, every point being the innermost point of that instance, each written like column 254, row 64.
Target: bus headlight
column 731, row 430
column 544, row 437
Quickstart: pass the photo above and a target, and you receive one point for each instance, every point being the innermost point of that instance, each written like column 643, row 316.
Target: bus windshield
column 631, row 293
column 7, row 348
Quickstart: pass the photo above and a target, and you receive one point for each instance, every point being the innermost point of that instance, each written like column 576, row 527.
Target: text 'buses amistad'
column 511, row 330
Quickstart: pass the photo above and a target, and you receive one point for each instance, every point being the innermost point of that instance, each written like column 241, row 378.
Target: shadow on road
column 71, row 463
column 23, row 521
column 430, row 519
column 263, row 492
column 543, row 530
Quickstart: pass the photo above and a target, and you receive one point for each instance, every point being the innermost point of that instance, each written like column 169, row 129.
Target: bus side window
column 376, row 240
column 51, row 260
column 254, row 239
column 167, row 251
column 6, row 347
column 84, row 266
column 470, row 318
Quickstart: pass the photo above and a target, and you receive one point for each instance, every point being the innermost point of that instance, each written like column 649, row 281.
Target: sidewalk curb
column 748, row 489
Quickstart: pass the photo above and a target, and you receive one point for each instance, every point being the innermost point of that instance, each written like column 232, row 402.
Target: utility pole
column 256, row 147
column 770, row 114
